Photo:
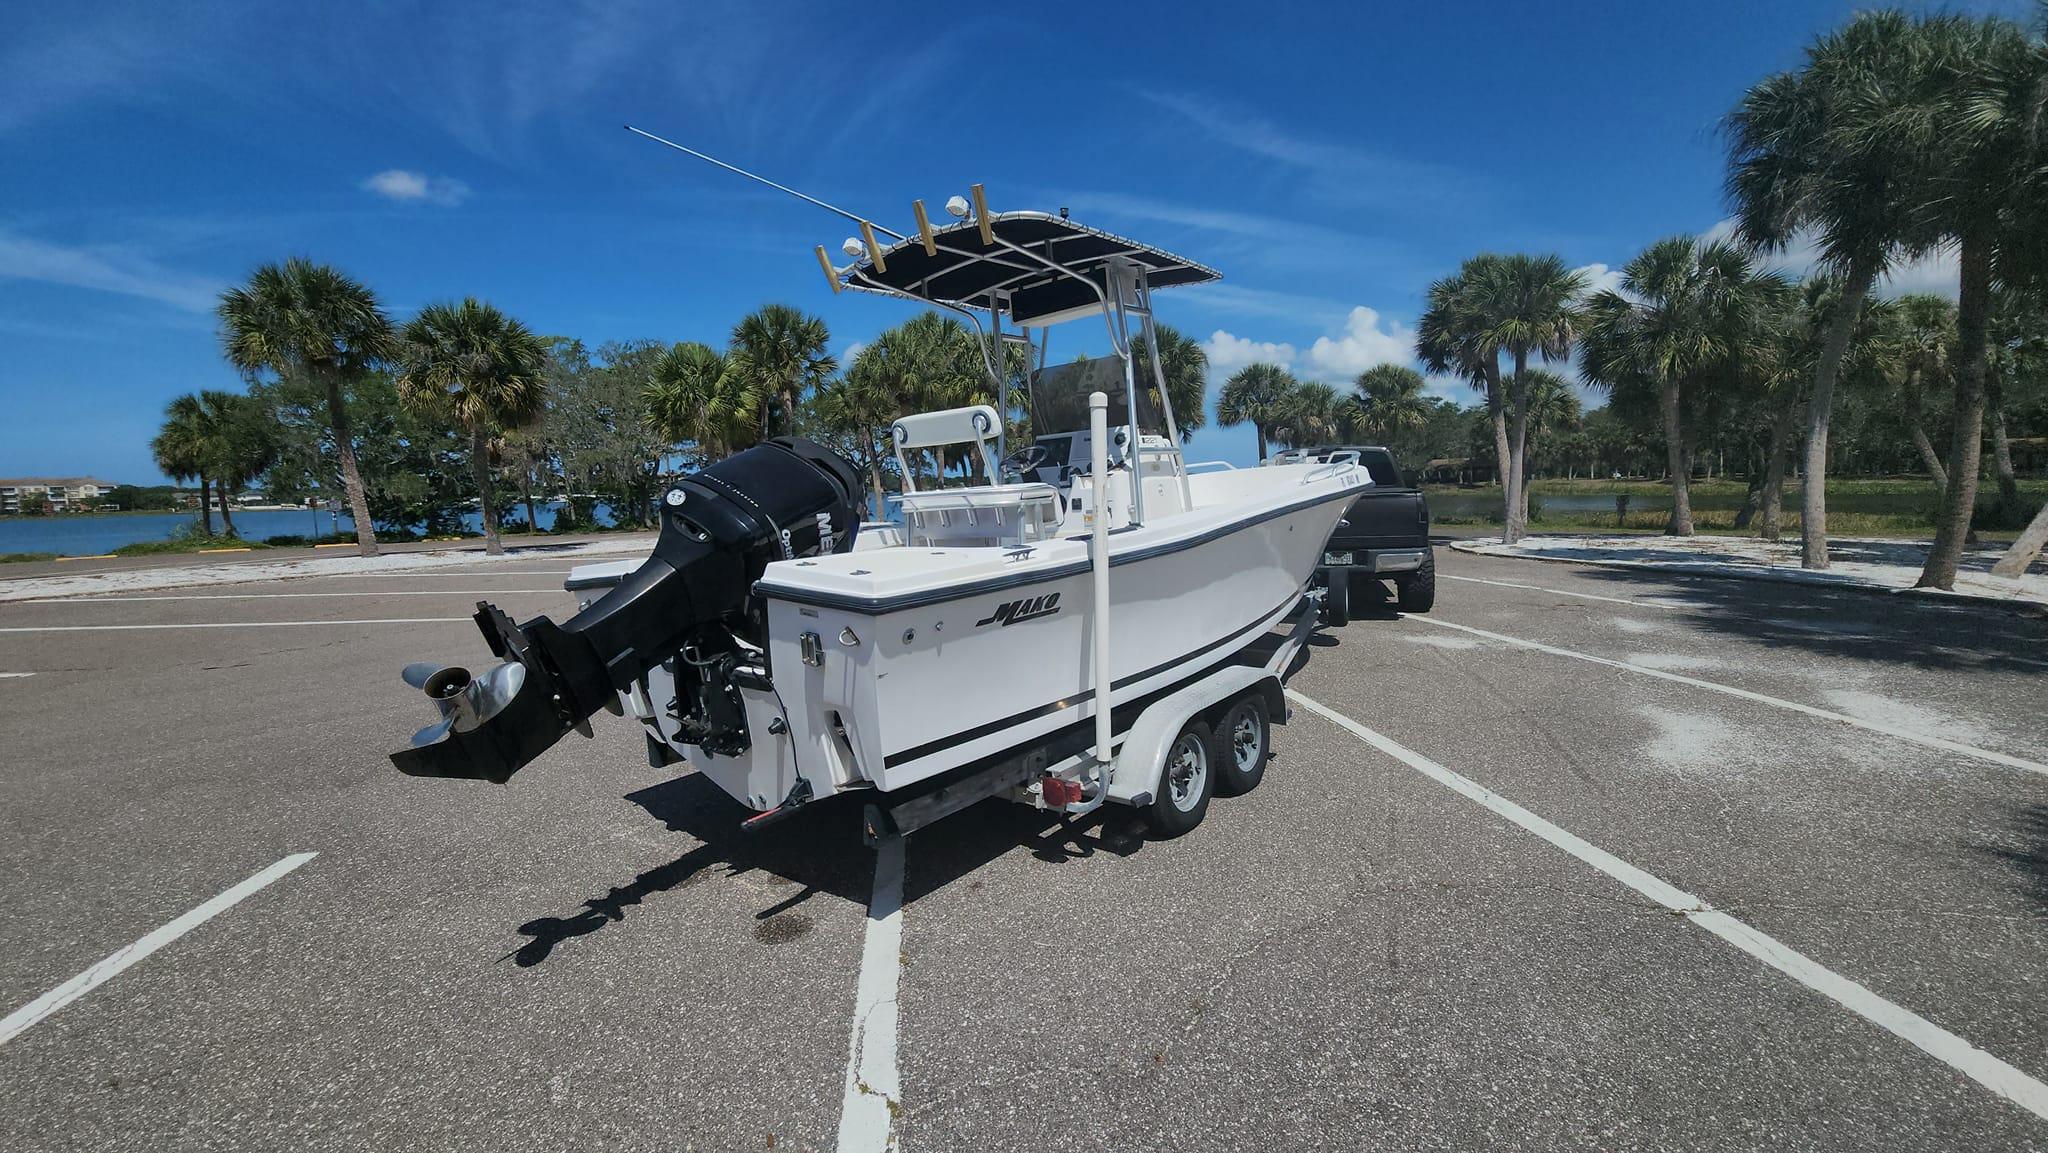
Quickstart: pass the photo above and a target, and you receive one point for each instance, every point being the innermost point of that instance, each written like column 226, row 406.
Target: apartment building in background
column 63, row 492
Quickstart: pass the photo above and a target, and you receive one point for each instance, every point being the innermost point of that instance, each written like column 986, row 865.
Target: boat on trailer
column 1091, row 620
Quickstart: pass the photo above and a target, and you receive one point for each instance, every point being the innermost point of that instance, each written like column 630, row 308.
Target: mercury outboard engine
column 780, row 500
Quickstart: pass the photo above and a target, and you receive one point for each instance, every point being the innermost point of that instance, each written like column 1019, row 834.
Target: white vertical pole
column 1098, row 557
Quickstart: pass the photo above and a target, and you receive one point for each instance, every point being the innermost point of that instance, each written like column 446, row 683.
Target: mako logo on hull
column 1028, row 608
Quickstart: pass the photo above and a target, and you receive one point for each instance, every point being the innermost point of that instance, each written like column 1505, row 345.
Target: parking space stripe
column 282, row 596
column 6, row 676
column 1959, row 1054
column 229, row 625
column 867, row 1115
column 113, row 963
column 1923, row 739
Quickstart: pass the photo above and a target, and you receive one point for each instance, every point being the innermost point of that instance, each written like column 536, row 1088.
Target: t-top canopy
column 965, row 271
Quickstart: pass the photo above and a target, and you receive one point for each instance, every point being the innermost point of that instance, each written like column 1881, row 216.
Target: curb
column 2023, row 608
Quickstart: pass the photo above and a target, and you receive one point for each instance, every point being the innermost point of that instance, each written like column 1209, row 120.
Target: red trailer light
column 1059, row 793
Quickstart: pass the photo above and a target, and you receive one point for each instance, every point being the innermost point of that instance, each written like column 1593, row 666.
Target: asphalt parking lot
column 1584, row 859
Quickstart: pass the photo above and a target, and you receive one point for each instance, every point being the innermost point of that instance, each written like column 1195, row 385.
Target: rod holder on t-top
column 1038, row 269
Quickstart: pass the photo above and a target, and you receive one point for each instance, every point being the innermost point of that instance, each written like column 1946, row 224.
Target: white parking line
column 113, row 963
column 1923, row 739
column 1569, row 593
column 283, row 596
column 7, row 676
column 867, row 1116
column 229, row 625
column 437, row 576
column 1987, row 1070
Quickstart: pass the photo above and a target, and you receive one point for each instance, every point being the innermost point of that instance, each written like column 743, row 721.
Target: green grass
column 20, row 557
column 188, row 544
column 1874, row 507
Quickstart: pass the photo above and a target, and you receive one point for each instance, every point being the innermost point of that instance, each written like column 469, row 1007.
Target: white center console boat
column 1089, row 593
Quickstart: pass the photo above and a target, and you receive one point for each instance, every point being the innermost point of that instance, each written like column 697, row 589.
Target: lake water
column 83, row 535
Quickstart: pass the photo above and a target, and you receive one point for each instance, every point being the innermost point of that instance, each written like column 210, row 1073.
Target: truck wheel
column 1337, row 598
column 1416, row 592
column 1244, row 743
column 1185, row 782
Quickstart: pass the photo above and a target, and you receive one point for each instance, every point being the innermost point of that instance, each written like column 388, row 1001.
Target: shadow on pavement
column 798, row 851
column 2030, row 860
column 1844, row 623
column 821, row 852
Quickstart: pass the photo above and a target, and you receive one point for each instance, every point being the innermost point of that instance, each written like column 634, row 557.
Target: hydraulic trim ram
column 720, row 527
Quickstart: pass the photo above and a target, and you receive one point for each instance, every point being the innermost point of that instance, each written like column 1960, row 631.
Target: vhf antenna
column 807, row 198
column 958, row 206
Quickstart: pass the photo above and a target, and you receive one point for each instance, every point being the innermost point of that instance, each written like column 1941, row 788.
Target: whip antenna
column 805, row 197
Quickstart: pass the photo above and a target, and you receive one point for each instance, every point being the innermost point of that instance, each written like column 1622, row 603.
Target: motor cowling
column 783, row 499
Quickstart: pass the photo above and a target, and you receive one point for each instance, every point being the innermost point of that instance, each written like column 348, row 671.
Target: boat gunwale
column 878, row 606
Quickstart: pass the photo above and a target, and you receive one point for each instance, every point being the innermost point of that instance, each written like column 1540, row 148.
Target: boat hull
column 893, row 696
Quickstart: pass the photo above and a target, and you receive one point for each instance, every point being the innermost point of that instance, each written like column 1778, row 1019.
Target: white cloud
column 1600, row 278
column 1937, row 272
column 1228, row 353
column 104, row 269
column 852, row 350
column 417, row 187
column 1363, row 344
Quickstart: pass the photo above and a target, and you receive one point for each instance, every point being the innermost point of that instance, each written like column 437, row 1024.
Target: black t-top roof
column 966, row 271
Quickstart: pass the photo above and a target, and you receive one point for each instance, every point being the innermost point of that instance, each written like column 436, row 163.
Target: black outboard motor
column 780, row 500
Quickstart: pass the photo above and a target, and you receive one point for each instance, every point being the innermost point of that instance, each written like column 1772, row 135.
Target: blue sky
column 1331, row 161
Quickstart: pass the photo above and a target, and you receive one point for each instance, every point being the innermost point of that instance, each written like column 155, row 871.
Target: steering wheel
column 1026, row 461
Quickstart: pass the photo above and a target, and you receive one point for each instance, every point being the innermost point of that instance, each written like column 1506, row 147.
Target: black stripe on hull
column 1246, row 635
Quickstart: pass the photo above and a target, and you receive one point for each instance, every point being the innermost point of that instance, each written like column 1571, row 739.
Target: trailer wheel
column 1186, row 781
column 1337, row 598
column 1244, row 743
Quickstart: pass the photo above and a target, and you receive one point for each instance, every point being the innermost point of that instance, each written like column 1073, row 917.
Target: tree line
column 415, row 422
column 1900, row 136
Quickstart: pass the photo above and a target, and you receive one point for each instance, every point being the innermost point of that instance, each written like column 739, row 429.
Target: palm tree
column 1841, row 150
column 1922, row 331
column 692, row 398
column 1310, row 413
column 778, row 353
column 180, row 451
column 1553, row 412
column 1186, row 367
column 859, row 406
column 1685, row 311
column 239, row 440
column 1390, row 400
column 473, row 363
column 1255, row 394
column 1452, row 338
column 304, row 318
column 1522, row 305
column 1991, row 144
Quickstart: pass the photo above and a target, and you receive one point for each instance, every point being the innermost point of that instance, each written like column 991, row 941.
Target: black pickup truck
column 1384, row 536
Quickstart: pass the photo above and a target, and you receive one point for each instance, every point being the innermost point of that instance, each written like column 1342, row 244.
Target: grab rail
column 1332, row 468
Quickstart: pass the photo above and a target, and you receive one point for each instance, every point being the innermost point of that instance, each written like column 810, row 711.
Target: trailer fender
column 1135, row 779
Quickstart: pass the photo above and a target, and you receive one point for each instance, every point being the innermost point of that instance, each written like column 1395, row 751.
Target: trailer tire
column 1186, row 781
column 1416, row 592
column 1244, row 743
column 1337, row 598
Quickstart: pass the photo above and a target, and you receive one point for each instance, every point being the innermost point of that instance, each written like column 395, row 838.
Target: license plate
column 1336, row 558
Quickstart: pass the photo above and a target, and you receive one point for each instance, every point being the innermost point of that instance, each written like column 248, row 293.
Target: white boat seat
column 993, row 514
